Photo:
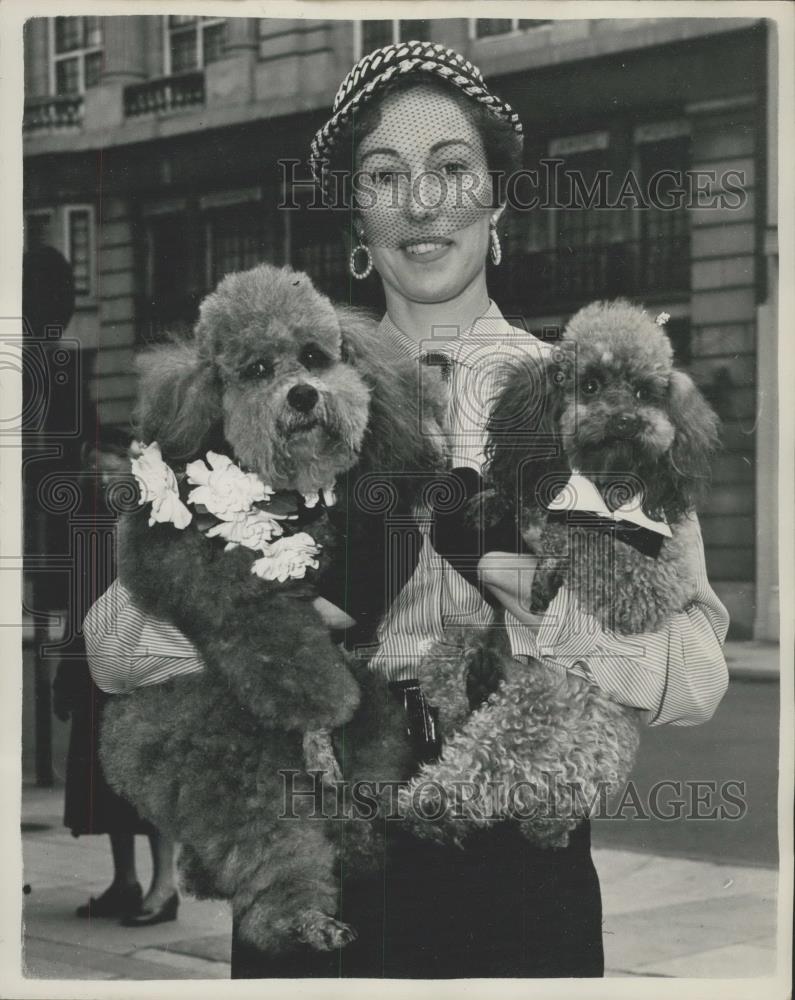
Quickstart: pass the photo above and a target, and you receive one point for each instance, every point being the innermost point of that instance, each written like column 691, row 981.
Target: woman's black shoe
column 146, row 917
column 117, row 901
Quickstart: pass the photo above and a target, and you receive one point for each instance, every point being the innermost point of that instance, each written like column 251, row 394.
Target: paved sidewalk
column 663, row 916
column 63, row 871
column 675, row 917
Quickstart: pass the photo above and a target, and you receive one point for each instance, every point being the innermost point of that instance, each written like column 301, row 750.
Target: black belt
column 422, row 720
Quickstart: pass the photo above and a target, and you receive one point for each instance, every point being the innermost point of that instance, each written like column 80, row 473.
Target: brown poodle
column 609, row 405
column 300, row 393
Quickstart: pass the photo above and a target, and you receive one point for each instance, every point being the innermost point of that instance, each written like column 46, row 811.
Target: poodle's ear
column 523, row 432
column 179, row 403
column 404, row 431
column 358, row 329
column 686, row 477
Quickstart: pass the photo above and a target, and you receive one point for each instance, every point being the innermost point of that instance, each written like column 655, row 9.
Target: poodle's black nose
column 624, row 424
column 302, row 397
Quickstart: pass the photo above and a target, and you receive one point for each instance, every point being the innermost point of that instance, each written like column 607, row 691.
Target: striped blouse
column 678, row 674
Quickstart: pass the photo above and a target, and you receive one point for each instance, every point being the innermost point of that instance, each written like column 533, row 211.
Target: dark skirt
column 500, row 908
column 90, row 804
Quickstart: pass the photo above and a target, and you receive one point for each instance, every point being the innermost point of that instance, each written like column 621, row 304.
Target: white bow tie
column 581, row 494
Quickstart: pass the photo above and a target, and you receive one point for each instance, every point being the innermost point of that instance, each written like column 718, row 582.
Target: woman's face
column 425, row 196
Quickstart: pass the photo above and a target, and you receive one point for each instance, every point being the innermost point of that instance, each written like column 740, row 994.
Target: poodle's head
column 616, row 409
column 265, row 378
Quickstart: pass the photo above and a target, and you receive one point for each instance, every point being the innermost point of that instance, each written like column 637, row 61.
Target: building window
column 239, row 237
column 587, row 261
column 174, row 279
column 190, row 248
column 558, row 257
column 370, row 35
column 678, row 330
column 487, row 27
column 193, row 42
column 665, row 225
column 582, row 218
column 79, row 247
column 75, row 54
column 593, row 242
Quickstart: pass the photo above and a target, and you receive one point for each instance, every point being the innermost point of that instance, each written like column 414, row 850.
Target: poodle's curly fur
column 300, row 392
column 609, row 404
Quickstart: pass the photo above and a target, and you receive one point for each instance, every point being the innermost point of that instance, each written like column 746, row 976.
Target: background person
column 91, row 806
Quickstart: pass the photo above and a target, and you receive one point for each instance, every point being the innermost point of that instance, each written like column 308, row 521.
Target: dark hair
column 502, row 145
column 48, row 289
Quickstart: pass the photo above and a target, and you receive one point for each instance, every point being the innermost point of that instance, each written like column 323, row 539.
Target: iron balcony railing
column 568, row 276
column 528, row 284
column 169, row 93
column 56, row 112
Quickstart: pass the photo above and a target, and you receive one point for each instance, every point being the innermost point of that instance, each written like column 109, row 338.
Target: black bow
column 647, row 542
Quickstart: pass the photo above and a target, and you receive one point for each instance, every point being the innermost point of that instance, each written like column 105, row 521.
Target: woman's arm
column 678, row 673
column 127, row 648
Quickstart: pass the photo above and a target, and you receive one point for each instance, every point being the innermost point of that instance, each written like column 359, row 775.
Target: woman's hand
column 687, row 532
column 509, row 577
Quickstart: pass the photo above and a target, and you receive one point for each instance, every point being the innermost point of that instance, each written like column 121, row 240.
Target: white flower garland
column 228, row 493
column 158, row 486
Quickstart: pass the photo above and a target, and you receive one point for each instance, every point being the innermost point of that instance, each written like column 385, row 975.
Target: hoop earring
column 495, row 251
column 360, row 275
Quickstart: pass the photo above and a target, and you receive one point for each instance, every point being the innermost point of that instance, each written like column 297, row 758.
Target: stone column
column 37, row 56
column 123, row 63
column 241, row 34
column 124, row 45
column 231, row 79
column 724, row 289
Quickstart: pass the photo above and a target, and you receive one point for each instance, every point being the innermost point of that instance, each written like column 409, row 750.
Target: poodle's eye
column 261, row 368
column 643, row 393
column 590, row 386
column 312, row 357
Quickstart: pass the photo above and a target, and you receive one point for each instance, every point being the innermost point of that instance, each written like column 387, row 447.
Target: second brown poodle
column 598, row 457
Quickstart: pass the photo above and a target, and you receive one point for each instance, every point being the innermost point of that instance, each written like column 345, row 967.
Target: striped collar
column 492, row 325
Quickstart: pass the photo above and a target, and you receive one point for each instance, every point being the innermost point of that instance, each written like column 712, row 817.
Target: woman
column 91, row 806
column 423, row 134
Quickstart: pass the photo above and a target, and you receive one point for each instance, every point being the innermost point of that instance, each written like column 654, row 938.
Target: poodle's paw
column 324, row 933
column 319, row 755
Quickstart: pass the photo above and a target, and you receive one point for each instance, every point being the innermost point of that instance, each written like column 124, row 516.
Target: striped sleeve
column 677, row 674
column 697, row 676
column 128, row 649
column 434, row 597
